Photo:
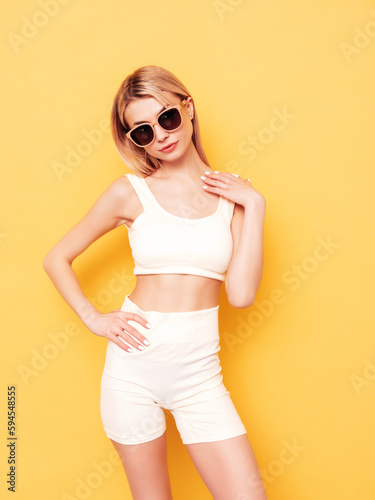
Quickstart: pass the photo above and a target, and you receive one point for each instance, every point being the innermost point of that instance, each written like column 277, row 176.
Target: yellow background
column 300, row 363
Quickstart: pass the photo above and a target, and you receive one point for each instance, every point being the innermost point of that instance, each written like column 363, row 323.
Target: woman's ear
column 190, row 107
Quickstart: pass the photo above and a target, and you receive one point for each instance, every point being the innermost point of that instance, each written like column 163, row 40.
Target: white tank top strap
column 141, row 190
column 163, row 243
column 147, row 198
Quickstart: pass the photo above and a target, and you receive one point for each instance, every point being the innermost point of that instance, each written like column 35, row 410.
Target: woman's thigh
column 146, row 468
column 228, row 468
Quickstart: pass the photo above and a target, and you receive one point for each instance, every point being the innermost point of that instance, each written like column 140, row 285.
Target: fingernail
column 130, row 349
column 216, row 172
column 207, row 173
column 148, row 325
column 203, row 177
column 146, row 342
column 141, row 347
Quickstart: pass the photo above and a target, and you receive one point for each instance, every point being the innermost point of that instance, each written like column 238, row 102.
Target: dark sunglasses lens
column 143, row 135
column 170, row 119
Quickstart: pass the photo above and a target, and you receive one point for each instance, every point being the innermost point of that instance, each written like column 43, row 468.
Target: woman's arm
column 107, row 213
column 245, row 269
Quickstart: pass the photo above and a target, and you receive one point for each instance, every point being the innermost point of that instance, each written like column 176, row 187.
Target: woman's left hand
column 233, row 187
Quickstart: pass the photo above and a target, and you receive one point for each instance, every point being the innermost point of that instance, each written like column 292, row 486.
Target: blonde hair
column 147, row 81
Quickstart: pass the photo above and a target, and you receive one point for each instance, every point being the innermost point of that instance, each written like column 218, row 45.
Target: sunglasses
column 169, row 120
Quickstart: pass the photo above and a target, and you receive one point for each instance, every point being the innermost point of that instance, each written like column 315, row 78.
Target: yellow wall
column 300, row 363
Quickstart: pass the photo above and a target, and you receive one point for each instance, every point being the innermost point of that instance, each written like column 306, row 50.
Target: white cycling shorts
column 179, row 371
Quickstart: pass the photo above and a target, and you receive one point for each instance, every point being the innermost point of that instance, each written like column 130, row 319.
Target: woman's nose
column 160, row 133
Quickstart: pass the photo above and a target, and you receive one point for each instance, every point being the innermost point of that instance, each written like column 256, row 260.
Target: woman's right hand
column 114, row 326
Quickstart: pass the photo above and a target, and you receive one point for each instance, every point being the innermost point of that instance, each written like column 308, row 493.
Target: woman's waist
column 175, row 292
column 201, row 326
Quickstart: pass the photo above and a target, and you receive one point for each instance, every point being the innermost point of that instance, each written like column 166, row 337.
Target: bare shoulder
column 121, row 187
column 122, row 192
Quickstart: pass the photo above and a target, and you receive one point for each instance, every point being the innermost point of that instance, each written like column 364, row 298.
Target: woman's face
column 146, row 109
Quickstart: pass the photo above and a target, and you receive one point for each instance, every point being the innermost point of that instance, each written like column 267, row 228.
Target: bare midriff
column 175, row 292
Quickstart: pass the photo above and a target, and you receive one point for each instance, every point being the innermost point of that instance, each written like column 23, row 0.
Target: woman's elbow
column 241, row 301
column 50, row 260
column 47, row 262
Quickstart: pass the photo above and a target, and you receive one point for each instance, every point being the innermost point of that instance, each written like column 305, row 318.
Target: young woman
column 190, row 229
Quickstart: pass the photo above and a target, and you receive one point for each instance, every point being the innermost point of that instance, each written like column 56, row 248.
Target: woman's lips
column 169, row 148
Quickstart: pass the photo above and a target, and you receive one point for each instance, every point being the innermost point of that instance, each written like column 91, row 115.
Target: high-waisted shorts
column 179, row 371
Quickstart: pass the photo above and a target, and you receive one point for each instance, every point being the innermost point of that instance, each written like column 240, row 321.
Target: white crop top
column 163, row 243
